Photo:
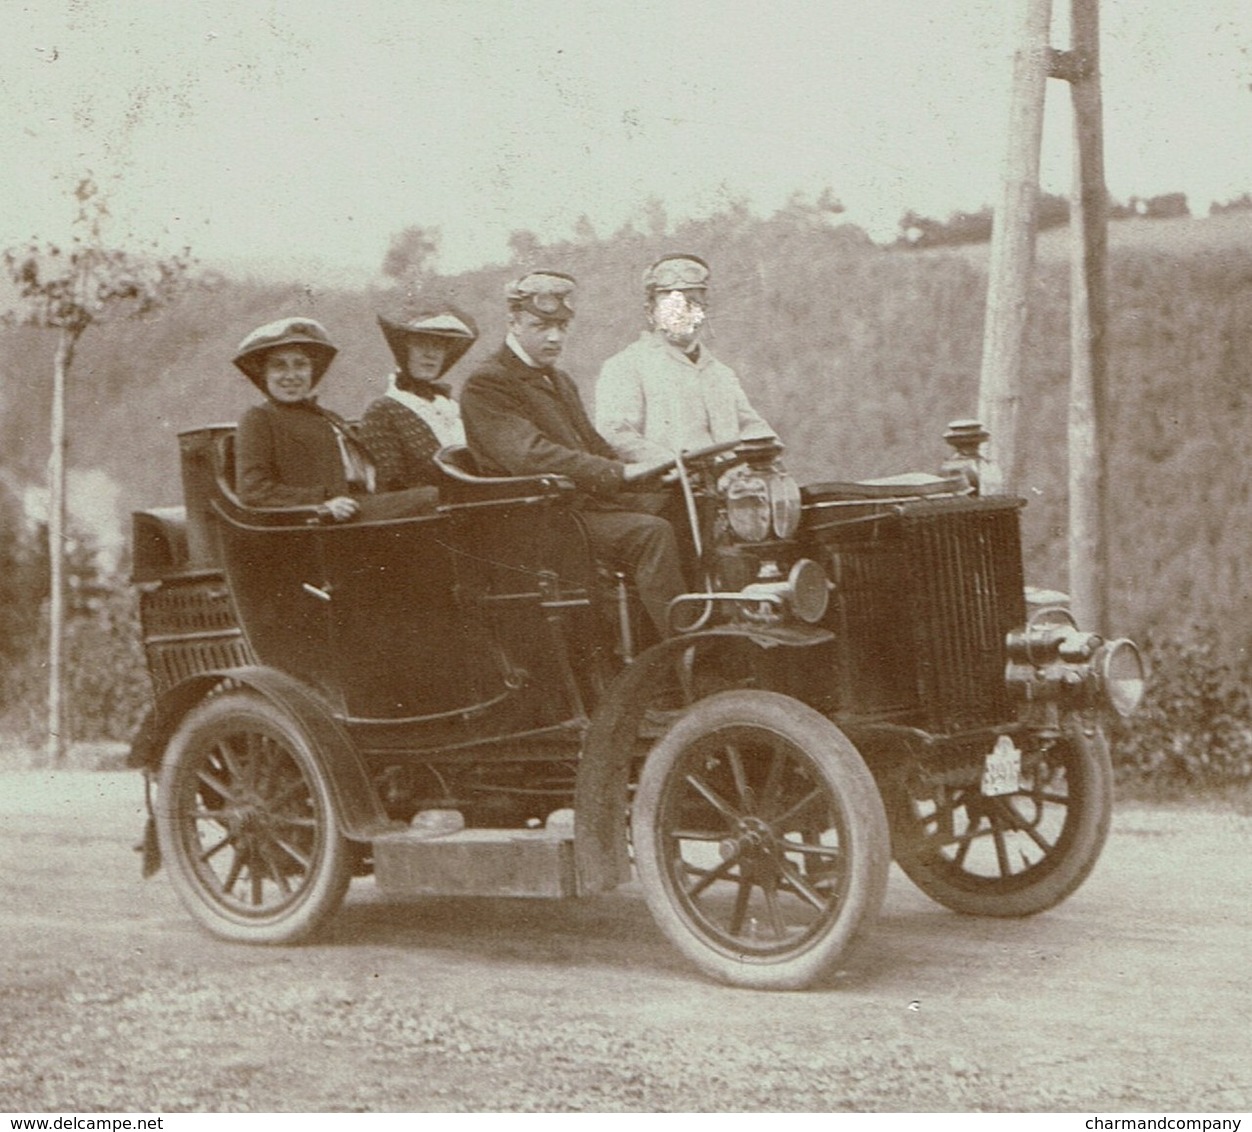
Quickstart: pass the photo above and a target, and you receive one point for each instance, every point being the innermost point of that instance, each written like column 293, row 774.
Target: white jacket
column 653, row 401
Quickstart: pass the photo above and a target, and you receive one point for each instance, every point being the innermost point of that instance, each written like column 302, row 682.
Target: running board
column 476, row 862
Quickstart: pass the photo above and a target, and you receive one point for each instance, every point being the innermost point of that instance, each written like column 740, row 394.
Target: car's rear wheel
column 760, row 840
column 1012, row 854
column 247, row 824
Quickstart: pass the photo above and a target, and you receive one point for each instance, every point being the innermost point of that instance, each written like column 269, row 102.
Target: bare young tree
column 69, row 289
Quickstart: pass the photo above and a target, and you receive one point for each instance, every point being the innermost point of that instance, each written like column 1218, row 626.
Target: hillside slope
column 857, row 355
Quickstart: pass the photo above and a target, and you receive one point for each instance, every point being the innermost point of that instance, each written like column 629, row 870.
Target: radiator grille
column 968, row 594
column 924, row 594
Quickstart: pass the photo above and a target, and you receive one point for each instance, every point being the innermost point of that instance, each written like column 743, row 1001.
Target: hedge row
column 1194, row 728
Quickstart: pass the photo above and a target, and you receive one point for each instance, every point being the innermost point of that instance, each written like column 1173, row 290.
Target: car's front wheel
column 760, row 840
column 1010, row 854
column 247, row 824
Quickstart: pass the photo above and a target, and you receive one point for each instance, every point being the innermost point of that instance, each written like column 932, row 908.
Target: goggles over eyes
column 547, row 294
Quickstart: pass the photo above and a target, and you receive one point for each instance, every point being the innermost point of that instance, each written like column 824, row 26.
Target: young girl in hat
column 291, row 452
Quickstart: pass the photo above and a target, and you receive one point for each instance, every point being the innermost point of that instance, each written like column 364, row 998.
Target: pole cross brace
column 1069, row 66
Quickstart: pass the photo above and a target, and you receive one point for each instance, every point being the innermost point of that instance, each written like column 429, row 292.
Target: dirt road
column 1133, row 995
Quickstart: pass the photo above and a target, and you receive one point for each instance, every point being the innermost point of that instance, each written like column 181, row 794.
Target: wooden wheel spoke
column 777, row 926
column 232, row 874
column 826, row 852
column 712, row 797
column 967, row 838
column 217, row 786
column 262, row 758
column 1002, row 852
column 302, row 859
column 708, row 876
column 215, row 849
column 741, row 779
column 740, row 910
column 298, row 823
column 230, row 760
column 1015, row 821
column 771, row 790
column 288, row 793
column 1048, row 796
column 800, row 886
column 781, row 821
column 274, row 867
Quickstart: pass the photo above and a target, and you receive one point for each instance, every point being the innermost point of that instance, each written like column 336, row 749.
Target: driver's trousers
column 645, row 548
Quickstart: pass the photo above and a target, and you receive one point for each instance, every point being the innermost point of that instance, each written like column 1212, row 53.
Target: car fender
column 601, row 791
column 357, row 804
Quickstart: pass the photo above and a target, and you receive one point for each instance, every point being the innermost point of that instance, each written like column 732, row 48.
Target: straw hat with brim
column 454, row 329
column 307, row 333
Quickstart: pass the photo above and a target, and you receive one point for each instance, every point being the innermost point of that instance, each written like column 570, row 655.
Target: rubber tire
column 825, row 752
column 1050, row 880
column 319, row 886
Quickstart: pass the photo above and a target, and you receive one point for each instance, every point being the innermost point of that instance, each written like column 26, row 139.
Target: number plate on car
column 1002, row 770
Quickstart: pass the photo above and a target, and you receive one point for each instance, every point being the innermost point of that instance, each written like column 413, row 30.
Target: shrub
column 1195, row 725
column 106, row 681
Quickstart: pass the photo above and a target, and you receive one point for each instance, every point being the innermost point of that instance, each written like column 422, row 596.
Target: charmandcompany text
column 1166, row 1123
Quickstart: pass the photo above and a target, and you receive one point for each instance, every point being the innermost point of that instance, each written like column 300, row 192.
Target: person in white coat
column 666, row 393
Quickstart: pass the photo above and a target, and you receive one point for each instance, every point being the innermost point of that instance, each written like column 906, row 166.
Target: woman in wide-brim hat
column 292, row 452
column 417, row 416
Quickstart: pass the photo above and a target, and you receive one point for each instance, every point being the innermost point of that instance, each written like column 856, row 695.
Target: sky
column 300, row 135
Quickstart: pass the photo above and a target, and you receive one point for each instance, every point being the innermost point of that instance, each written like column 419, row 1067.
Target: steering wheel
column 695, row 456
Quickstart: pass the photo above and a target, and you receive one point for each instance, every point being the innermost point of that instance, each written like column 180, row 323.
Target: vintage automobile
column 468, row 703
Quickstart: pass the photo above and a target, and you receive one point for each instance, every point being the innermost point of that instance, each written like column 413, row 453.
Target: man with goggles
column 523, row 416
column 666, row 393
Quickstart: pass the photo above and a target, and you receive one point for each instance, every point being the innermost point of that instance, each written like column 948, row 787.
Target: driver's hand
column 342, row 508
column 631, row 473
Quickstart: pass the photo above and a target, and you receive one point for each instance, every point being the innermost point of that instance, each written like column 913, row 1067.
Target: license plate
column 1002, row 770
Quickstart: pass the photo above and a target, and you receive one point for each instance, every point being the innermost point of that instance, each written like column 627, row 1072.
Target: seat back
column 461, row 468
column 224, row 465
column 458, row 461
column 226, row 500
column 199, row 451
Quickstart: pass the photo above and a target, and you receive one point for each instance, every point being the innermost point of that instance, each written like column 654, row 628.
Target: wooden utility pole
column 1088, row 399
column 1011, row 267
column 1013, row 250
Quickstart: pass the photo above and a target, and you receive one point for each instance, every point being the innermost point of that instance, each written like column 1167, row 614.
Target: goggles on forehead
column 548, row 304
column 682, row 273
column 543, row 293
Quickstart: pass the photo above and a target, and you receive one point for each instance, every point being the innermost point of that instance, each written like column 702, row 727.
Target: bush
column 1195, row 725
column 106, row 680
